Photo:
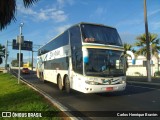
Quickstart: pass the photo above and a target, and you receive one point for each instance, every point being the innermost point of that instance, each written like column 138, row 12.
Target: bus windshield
column 100, row 35
column 105, row 63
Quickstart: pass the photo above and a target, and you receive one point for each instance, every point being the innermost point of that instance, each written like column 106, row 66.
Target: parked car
column 25, row 71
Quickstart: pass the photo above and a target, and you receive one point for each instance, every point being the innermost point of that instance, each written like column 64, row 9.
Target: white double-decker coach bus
column 86, row 57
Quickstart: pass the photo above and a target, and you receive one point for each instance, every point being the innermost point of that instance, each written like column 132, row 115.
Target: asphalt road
column 135, row 98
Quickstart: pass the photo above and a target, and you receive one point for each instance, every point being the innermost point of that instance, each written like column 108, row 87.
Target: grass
column 19, row 97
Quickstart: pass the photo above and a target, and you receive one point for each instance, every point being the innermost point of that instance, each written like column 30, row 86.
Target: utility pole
column 6, row 56
column 20, row 40
column 147, row 44
column 32, row 59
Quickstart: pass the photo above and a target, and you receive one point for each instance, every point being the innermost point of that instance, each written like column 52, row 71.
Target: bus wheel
column 67, row 84
column 42, row 77
column 59, row 81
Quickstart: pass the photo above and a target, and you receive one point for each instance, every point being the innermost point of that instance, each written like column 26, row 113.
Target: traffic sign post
column 6, row 50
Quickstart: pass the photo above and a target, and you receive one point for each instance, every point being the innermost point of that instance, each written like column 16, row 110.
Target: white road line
column 144, row 87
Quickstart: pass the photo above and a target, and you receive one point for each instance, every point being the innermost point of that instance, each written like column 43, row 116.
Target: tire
column 59, row 82
column 67, row 85
column 42, row 77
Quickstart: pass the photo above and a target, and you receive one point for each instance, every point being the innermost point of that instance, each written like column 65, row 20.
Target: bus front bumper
column 104, row 88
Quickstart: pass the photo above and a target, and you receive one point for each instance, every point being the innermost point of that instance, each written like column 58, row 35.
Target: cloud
column 55, row 14
column 155, row 25
column 99, row 12
column 129, row 22
column 128, row 37
column 23, row 10
column 62, row 3
column 56, row 31
column 62, row 28
column 154, row 12
column 59, row 16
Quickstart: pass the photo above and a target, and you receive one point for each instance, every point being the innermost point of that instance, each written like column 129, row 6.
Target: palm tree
column 127, row 47
column 8, row 10
column 154, row 44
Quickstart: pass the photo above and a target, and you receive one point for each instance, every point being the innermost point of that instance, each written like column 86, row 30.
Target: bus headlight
column 123, row 81
column 91, row 82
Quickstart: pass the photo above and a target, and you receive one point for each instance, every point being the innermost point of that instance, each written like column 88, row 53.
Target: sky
column 48, row 18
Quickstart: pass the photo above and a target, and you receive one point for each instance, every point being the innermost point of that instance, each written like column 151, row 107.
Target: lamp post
column 20, row 41
column 148, row 44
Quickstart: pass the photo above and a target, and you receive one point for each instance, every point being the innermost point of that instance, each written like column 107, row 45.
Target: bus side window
column 76, row 49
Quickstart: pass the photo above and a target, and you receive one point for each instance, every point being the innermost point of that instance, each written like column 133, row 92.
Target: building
column 138, row 67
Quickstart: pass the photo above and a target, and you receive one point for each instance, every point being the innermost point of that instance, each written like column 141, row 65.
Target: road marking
column 145, row 87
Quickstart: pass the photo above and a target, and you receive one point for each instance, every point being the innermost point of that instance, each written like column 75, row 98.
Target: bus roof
column 76, row 25
column 95, row 24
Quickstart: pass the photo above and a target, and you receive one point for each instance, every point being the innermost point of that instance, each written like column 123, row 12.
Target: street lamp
column 20, row 40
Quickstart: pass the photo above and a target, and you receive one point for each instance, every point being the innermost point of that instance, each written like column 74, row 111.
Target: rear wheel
column 67, row 85
column 59, row 81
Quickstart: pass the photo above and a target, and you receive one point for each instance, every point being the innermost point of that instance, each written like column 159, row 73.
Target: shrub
column 157, row 73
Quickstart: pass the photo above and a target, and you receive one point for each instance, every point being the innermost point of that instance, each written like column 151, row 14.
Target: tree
column 15, row 63
column 154, row 44
column 8, row 10
column 2, row 53
column 127, row 47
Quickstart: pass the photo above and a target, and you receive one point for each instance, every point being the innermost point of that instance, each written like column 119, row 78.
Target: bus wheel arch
column 59, row 82
column 67, row 84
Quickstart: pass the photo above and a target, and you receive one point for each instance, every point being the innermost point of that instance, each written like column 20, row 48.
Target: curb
column 146, row 83
column 49, row 98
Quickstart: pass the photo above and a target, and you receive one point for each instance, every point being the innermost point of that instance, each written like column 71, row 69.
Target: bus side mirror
column 85, row 60
column 133, row 61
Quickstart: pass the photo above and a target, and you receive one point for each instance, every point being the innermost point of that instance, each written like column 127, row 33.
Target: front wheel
column 42, row 77
column 67, row 85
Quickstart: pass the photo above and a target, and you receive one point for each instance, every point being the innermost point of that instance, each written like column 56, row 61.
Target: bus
column 87, row 57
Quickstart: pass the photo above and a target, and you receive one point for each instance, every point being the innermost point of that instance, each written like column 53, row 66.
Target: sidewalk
column 143, row 80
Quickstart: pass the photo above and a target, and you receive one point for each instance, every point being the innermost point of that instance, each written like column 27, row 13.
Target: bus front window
column 100, row 35
column 105, row 63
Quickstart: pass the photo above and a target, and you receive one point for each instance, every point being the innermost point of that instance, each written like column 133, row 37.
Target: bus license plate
column 109, row 88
